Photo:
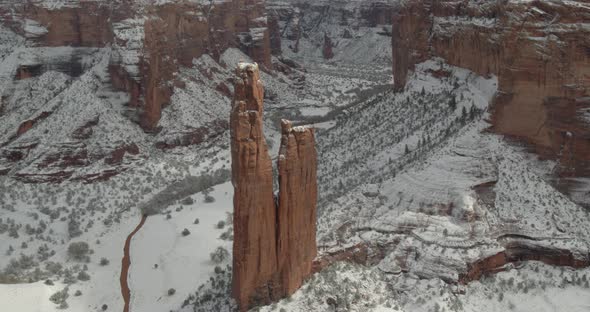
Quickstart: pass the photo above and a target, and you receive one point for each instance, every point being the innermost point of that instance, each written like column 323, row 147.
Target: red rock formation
column 122, row 80
column 327, row 51
column 255, row 267
column 409, row 37
column 117, row 155
column 194, row 136
column 274, row 34
column 27, row 71
column 28, row 124
column 174, row 34
column 377, row 13
column 274, row 245
column 297, row 205
column 521, row 251
column 543, row 68
column 84, row 25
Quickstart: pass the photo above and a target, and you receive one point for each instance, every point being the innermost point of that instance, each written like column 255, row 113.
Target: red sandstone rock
column 255, row 267
column 297, row 205
column 327, row 51
column 521, row 251
column 117, row 155
column 542, row 86
column 28, row 124
column 85, row 25
column 174, row 36
column 274, row 34
column 193, row 136
column 409, row 36
column 274, row 245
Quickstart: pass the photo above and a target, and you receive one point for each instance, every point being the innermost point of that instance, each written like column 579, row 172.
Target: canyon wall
column 274, row 239
column 150, row 42
column 338, row 30
column 540, row 52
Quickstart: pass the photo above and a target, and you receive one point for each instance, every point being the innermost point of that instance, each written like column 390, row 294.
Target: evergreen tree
column 472, row 112
column 453, row 103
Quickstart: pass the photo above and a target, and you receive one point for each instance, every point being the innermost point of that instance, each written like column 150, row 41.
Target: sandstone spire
column 297, row 205
column 274, row 245
column 254, row 249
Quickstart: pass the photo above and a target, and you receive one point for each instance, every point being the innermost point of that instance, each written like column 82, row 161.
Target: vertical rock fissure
column 274, row 240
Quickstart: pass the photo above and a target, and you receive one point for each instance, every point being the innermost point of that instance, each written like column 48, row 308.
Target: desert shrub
column 60, row 296
column 83, row 276
column 227, row 235
column 209, row 199
column 104, row 261
column 171, row 291
column 79, row 250
column 74, row 228
column 187, row 201
column 69, row 277
column 186, row 232
column 53, row 267
column 219, row 255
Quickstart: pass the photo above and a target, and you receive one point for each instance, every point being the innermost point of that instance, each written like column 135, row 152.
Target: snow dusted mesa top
column 274, row 244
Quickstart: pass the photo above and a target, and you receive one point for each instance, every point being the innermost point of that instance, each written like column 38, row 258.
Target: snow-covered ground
column 183, row 262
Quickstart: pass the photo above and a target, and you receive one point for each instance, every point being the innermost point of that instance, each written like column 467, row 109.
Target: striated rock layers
column 149, row 41
column 540, row 52
column 274, row 238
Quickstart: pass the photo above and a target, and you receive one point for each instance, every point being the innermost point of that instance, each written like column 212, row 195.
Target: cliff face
column 274, row 245
column 297, row 205
column 342, row 30
column 539, row 51
column 255, row 279
column 149, row 42
column 86, row 25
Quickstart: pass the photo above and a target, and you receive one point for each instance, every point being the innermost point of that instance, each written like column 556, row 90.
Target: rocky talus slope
column 274, row 239
column 540, row 52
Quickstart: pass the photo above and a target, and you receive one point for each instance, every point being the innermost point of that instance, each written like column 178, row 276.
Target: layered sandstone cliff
column 274, row 240
column 150, row 42
column 540, row 52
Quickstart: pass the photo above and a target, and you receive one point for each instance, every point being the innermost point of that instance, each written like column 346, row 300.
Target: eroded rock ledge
column 274, row 238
